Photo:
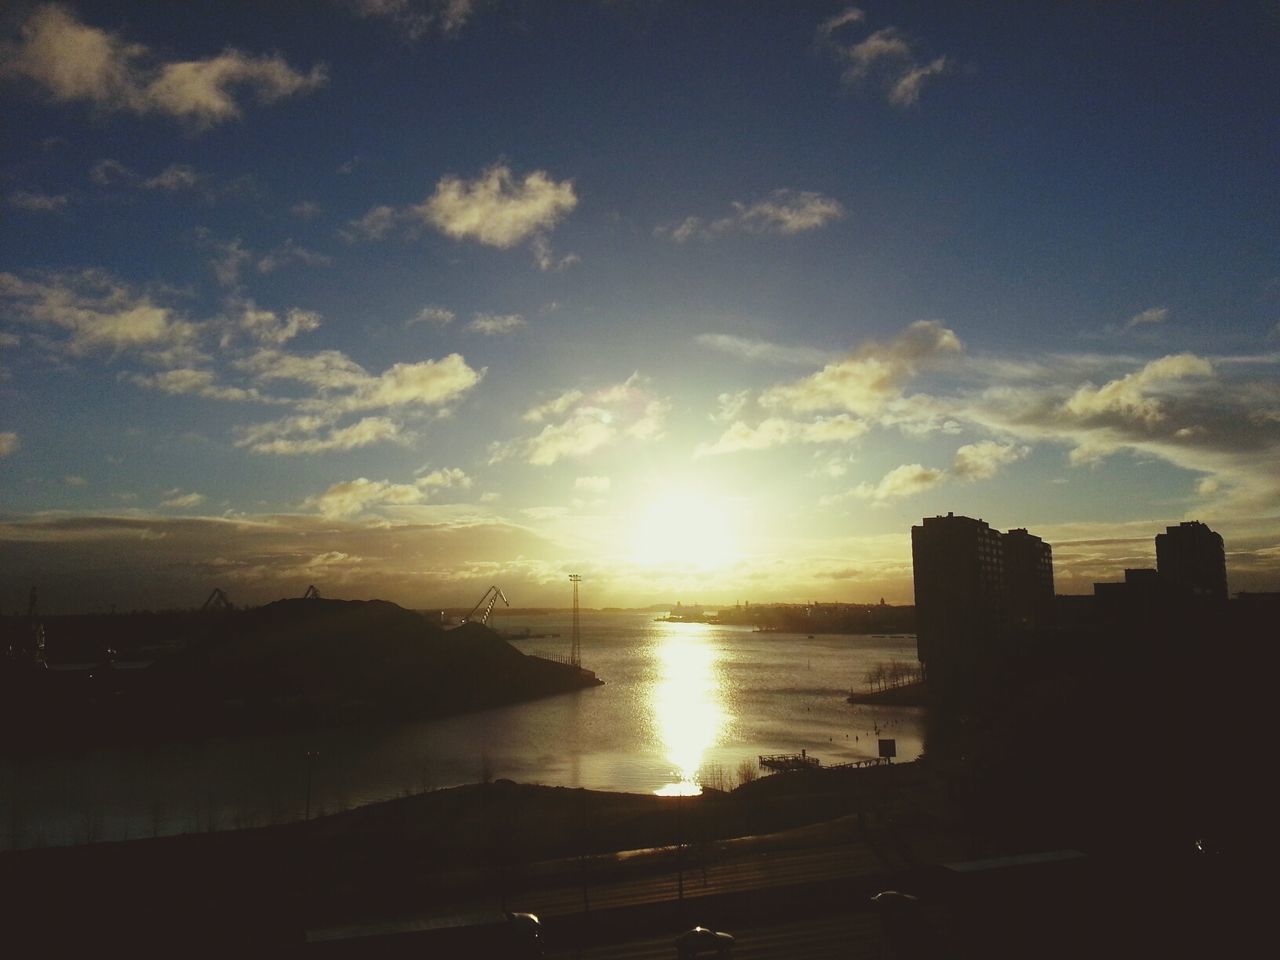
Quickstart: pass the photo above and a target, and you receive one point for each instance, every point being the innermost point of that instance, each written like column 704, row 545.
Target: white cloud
column 306, row 209
column 374, row 225
column 444, row 477
column 729, row 406
column 866, row 382
column 842, row 19
column 342, row 387
column 73, row 61
column 266, row 326
column 554, row 407
column 761, row 350
column 1135, row 396
column 176, row 176
column 905, row 91
column 183, row 501
column 785, row 211
column 885, row 59
column 9, row 443
column 9, row 340
column 587, row 422
column 200, row 383
column 546, row 260
column 492, row 324
column 1151, row 315
column 430, row 383
column 903, row 481
column 982, row 461
column 495, row 208
column 435, row 316
column 352, row 497
column 300, row 435
column 92, row 310
column 38, row 202
column 777, row 431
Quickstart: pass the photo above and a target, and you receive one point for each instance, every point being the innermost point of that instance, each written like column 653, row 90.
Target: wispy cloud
column 88, row 310
column 200, row 383
column 341, row 387
column 885, row 59
column 353, row 497
column 73, row 61
column 38, row 202
column 182, row 501
column 784, row 211
column 777, row 431
column 494, row 324
column 761, row 350
column 578, row 423
column 1151, row 315
column 414, row 19
column 433, row 315
column 268, row 327
column 290, row 252
column 903, row 481
column 9, row 443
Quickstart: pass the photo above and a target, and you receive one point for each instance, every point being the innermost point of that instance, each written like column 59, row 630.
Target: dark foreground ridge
column 784, row 849
column 287, row 664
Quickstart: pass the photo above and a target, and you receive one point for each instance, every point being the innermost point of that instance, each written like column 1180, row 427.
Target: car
column 700, row 942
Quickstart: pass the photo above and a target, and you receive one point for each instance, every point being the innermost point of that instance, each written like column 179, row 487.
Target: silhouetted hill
column 295, row 662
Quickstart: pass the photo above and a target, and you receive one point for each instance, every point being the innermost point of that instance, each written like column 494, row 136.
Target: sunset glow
column 406, row 299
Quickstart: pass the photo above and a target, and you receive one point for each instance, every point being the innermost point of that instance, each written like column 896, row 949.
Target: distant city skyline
column 703, row 302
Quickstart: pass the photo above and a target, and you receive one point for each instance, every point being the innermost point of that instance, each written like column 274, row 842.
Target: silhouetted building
column 1028, row 571
column 959, row 581
column 1191, row 558
column 974, row 584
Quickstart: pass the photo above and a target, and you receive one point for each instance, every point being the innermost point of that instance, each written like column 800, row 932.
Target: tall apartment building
column 973, row 582
column 1028, row 570
column 1192, row 558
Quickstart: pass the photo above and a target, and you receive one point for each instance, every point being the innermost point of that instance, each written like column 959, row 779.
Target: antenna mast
column 575, row 650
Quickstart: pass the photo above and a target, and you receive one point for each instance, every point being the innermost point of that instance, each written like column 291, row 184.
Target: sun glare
column 684, row 527
column 688, row 710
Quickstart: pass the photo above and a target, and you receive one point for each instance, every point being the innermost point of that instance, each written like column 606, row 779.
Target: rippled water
column 681, row 703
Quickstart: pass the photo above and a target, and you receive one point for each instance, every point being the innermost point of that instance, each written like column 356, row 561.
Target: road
column 846, row 937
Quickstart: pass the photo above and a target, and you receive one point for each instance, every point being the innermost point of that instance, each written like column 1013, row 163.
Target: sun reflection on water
column 688, row 710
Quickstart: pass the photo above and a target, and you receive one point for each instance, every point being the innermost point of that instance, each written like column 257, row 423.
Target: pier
column 783, row 762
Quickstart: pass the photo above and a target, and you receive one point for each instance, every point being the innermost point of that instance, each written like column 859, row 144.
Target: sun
column 686, row 527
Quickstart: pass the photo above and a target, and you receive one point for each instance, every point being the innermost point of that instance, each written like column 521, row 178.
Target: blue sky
column 703, row 301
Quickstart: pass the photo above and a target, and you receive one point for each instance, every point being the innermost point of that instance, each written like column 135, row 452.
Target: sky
column 704, row 302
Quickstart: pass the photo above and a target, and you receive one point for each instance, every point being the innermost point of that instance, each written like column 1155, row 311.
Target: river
column 682, row 704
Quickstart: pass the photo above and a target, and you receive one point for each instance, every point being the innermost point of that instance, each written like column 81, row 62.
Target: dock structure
column 785, row 762
column 857, row 764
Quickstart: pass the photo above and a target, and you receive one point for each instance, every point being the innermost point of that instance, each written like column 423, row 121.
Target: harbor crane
column 218, row 600
column 491, row 596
